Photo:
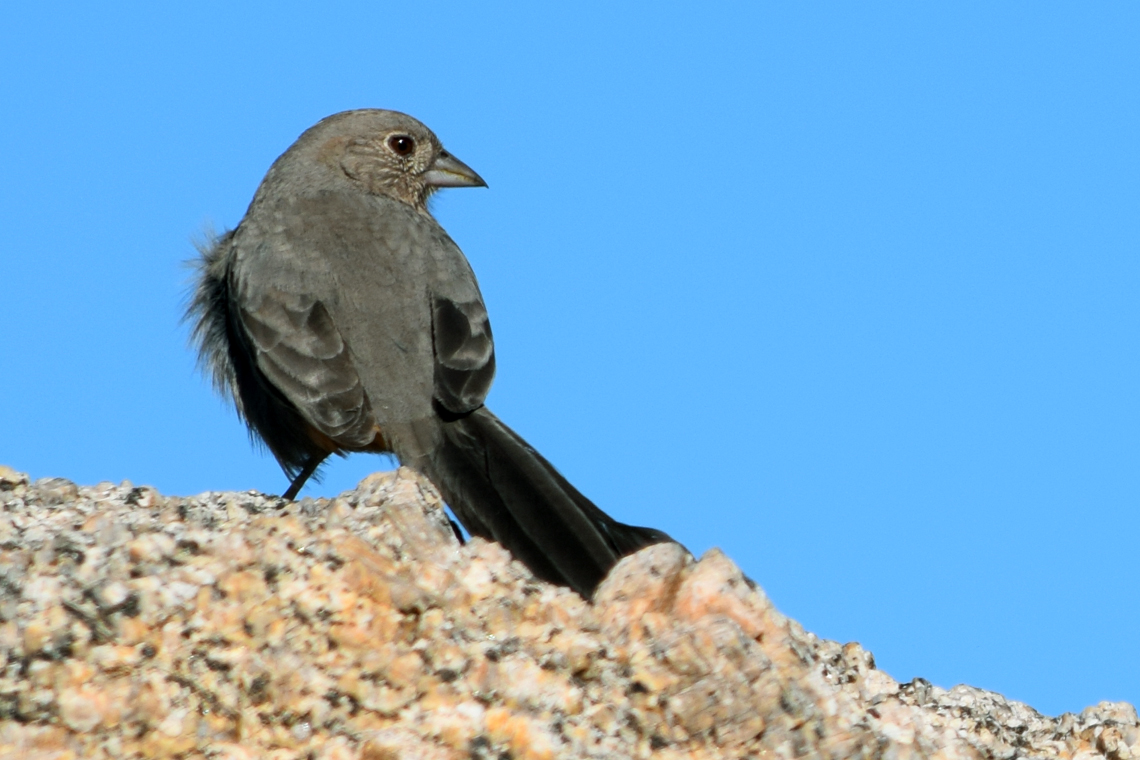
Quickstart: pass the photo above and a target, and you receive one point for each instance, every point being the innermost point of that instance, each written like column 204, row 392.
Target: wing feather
column 464, row 354
column 301, row 352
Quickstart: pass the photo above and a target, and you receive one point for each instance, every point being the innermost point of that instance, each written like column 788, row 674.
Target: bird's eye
column 401, row 145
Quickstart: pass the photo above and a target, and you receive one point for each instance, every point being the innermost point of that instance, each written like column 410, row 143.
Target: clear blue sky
column 848, row 290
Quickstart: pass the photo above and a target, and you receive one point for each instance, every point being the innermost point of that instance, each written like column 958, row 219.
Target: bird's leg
column 311, row 465
column 456, row 530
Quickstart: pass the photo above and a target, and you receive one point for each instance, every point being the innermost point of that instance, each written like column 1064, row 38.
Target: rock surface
column 234, row 625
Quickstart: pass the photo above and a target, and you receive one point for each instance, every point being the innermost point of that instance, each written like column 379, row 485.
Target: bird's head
column 387, row 153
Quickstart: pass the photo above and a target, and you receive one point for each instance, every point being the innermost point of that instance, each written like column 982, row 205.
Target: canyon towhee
column 339, row 316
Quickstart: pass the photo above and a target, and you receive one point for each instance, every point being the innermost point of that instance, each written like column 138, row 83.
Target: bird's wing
column 464, row 353
column 303, row 355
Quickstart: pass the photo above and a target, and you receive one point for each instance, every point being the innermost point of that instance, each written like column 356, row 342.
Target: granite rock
column 237, row 625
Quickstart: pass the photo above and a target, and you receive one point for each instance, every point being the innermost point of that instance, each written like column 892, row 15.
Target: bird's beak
column 449, row 171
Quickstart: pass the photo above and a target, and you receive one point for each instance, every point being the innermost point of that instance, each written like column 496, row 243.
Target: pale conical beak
column 449, row 171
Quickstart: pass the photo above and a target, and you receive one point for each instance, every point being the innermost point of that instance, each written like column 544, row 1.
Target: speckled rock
column 235, row 625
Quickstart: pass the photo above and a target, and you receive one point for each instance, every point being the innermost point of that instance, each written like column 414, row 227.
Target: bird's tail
column 503, row 490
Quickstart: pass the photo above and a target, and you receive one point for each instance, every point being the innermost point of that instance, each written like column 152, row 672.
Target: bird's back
column 375, row 264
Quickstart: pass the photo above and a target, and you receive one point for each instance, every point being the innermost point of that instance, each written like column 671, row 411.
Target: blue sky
column 850, row 291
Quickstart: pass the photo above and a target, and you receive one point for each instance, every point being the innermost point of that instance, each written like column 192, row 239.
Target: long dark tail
column 503, row 490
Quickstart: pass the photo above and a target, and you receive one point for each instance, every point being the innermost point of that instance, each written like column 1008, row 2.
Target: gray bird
column 339, row 316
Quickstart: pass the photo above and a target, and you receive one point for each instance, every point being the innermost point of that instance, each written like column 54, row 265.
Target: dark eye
column 401, row 145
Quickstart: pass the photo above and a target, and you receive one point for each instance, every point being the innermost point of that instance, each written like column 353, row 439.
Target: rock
column 10, row 479
column 233, row 625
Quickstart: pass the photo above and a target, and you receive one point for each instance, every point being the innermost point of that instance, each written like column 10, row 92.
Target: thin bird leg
column 310, row 467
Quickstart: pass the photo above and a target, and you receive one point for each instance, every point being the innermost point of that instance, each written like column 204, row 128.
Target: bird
column 338, row 316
